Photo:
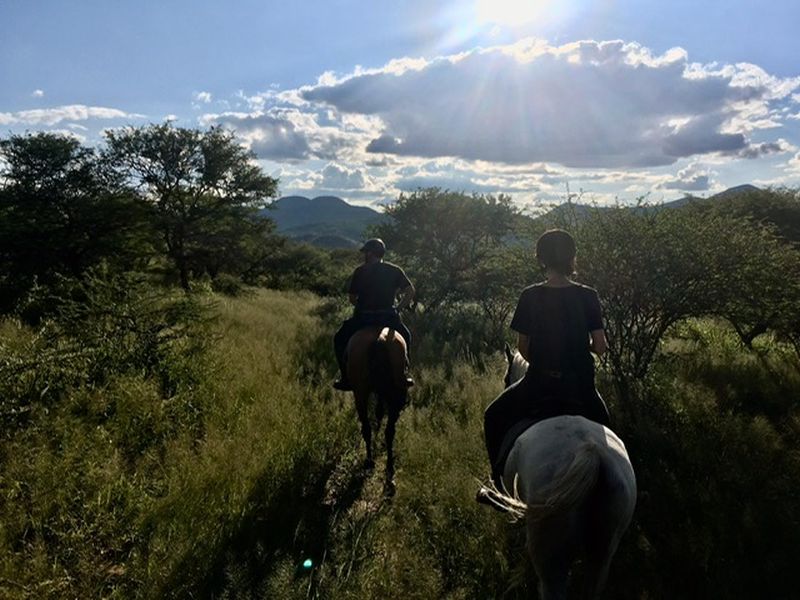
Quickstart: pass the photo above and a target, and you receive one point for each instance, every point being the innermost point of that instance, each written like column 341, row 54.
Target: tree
column 653, row 268
column 205, row 190
column 62, row 210
column 445, row 239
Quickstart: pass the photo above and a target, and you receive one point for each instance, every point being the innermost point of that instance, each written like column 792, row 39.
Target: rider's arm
column 598, row 344
column 523, row 342
column 406, row 296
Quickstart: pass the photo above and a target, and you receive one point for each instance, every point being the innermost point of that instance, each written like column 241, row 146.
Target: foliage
column 62, row 210
column 115, row 492
column 464, row 257
column 443, row 237
column 298, row 266
column 205, row 191
column 97, row 328
column 775, row 207
column 654, row 268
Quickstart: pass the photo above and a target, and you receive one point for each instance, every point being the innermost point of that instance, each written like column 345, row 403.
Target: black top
column 377, row 284
column 558, row 321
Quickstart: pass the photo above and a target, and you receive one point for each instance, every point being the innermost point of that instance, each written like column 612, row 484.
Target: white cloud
column 692, row 178
column 340, row 177
column 72, row 112
column 793, row 165
column 584, row 104
column 291, row 133
column 69, row 133
column 204, row 97
column 38, row 93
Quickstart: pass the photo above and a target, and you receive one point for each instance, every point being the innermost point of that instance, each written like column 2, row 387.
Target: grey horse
column 573, row 483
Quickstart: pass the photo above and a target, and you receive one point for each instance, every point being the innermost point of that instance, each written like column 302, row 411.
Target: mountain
column 326, row 221
column 724, row 195
column 581, row 211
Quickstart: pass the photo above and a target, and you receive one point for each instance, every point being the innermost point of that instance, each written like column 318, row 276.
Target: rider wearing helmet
column 559, row 325
column 374, row 287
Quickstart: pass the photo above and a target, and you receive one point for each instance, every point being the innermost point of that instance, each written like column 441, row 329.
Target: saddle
column 511, row 436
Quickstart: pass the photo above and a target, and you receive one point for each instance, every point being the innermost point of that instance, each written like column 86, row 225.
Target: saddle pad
column 508, row 441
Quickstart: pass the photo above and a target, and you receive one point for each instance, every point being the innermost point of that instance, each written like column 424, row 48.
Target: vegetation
column 161, row 441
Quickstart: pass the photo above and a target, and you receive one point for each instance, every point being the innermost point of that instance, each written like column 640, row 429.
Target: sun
column 509, row 12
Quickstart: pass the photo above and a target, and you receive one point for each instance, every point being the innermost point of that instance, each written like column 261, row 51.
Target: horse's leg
column 608, row 517
column 595, row 576
column 550, row 556
column 600, row 548
column 362, row 408
column 553, row 582
column 379, row 410
column 394, row 407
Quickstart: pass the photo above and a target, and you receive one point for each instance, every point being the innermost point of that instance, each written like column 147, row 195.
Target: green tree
column 62, row 210
column 653, row 268
column 446, row 239
column 205, row 189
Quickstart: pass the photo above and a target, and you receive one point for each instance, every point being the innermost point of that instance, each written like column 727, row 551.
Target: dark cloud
column 385, row 143
column 272, row 136
column 700, row 136
column 759, row 150
column 587, row 104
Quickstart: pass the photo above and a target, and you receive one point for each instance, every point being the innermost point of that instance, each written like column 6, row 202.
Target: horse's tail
column 563, row 493
column 570, row 488
column 380, row 367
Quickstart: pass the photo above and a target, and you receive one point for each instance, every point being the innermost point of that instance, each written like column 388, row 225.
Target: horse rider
column 559, row 325
column 374, row 287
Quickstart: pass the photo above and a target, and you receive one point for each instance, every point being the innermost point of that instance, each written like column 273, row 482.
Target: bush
column 98, row 327
column 228, row 285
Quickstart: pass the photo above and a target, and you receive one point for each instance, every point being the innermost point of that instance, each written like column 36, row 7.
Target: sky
column 613, row 100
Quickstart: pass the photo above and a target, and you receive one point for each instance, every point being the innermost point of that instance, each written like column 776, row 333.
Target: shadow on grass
column 294, row 523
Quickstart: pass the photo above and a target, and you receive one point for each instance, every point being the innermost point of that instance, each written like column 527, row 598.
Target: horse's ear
column 509, row 354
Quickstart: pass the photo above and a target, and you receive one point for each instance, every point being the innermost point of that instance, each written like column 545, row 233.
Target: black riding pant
column 359, row 321
column 537, row 397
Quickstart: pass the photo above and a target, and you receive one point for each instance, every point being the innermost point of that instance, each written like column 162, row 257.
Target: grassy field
column 225, row 488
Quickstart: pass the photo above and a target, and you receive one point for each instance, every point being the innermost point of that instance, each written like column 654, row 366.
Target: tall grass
column 224, row 486
column 93, row 507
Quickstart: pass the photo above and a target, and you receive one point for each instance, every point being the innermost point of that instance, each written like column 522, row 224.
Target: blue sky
column 367, row 99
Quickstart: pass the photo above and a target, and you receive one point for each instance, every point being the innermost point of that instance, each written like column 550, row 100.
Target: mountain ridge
column 332, row 222
column 326, row 221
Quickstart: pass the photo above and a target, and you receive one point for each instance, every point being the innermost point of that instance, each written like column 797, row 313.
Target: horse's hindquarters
column 376, row 359
column 577, row 483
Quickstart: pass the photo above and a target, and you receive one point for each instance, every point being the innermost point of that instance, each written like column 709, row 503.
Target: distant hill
column 582, row 210
column 326, row 221
column 725, row 195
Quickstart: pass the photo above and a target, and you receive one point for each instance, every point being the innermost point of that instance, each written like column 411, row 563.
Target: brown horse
column 376, row 362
